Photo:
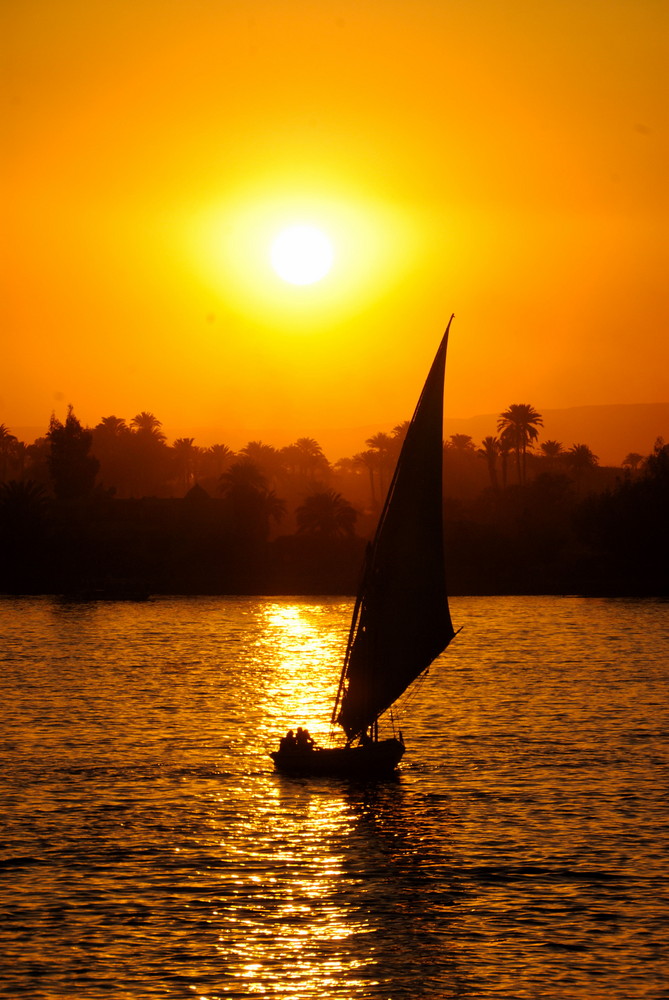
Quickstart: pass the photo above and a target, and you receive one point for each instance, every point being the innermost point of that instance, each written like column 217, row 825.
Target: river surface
column 148, row 849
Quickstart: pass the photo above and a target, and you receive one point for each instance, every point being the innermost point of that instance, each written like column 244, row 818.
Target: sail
column 401, row 620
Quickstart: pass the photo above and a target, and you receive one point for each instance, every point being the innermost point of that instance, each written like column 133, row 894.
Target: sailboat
column 401, row 620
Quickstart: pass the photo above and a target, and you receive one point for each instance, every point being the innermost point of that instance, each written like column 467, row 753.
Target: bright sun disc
column 301, row 255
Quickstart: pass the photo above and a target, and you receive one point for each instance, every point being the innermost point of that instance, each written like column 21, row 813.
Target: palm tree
column 580, row 456
column 242, row 475
column 310, row 449
column 384, row 447
column 580, row 460
column 265, row 457
column 112, row 426
column 8, row 444
column 369, row 460
column 112, row 442
column 458, row 456
column 150, row 463
column 347, row 466
column 22, row 502
column 400, row 431
column 146, row 423
column 216, row 459
column 551, row 450
column 490, row 449
column 348, row 475
column 518, row 426
column 71, row 466
column 461, row 442
column 504, row 452
column 327, row 514
column 185, row 453
column 633, row 461
column 253, row 505
column 305, row 459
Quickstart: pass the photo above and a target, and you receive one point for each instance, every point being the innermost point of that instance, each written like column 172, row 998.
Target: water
column 147, row 848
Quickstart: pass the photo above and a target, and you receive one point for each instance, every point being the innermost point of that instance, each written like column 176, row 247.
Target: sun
column 302, row 254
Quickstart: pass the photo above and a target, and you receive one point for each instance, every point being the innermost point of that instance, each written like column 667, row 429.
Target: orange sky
column 502, row 161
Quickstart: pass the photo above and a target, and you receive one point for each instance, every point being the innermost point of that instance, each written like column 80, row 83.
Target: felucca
column 401, row 620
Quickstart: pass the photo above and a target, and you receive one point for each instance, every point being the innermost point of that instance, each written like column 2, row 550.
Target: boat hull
column 375, row 760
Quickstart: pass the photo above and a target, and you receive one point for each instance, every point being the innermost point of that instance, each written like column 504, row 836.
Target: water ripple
column 147, row 848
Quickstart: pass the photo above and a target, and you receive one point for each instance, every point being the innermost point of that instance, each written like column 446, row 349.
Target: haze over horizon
column 611, row 432
column 502, row 162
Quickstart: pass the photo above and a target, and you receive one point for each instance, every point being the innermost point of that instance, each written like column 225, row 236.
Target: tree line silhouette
column 114, row 510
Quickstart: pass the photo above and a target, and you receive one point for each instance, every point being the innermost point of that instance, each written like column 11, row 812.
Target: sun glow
column 302, row 254
column 255, row 257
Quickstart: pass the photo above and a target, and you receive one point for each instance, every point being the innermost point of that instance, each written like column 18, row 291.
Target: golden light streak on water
column 307, row 651
column 299, row 892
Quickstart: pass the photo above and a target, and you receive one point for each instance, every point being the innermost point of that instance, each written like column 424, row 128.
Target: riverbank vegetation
column 115, row 510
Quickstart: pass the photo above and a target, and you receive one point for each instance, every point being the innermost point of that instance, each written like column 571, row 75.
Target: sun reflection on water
column 306, row 646
column 289, row 888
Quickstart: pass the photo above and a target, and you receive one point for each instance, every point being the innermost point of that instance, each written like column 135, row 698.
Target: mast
column 401, row 621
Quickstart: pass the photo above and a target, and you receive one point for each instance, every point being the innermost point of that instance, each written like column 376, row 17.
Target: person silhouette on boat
column 303, row 741
column 288, row 742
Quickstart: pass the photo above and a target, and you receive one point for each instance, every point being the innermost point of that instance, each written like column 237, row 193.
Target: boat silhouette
column 401, row 620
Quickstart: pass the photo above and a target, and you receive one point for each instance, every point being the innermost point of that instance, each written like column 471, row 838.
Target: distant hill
column 611, row 431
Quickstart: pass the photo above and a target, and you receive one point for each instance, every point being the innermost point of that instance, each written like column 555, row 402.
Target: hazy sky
column 505, row 161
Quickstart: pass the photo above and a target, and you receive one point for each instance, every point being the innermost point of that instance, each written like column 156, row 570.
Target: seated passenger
column 288, row 742
column 303, row 740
